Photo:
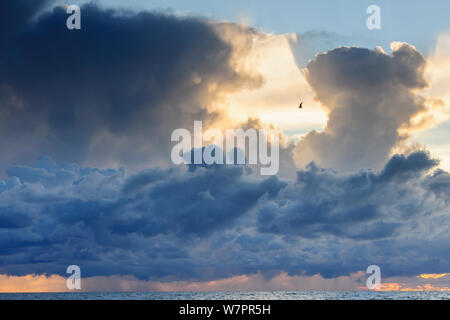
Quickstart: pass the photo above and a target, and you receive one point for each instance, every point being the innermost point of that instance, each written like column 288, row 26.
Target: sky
column 86, row 118
column 416, row 22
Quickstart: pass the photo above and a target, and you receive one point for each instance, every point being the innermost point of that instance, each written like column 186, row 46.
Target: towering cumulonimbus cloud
column 114, row 89
column 368, row 95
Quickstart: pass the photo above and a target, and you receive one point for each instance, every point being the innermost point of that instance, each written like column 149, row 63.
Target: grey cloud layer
column 219, row 221
column 366, row 205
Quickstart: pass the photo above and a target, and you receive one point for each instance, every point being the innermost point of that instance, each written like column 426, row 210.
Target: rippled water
column 302, row 295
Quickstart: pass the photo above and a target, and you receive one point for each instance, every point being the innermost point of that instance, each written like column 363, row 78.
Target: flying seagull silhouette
column 301, row 105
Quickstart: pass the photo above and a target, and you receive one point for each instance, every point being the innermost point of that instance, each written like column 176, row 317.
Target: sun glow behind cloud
column 250, row 282
column 285, row 86
column 433, row 275
column 411, row 284
column 439, row 68
column 401, row 287
column 432, row 126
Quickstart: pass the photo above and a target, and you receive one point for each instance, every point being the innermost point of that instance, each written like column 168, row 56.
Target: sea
column 263, row 295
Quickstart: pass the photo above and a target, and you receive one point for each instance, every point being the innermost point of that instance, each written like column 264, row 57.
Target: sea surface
column 276, row 295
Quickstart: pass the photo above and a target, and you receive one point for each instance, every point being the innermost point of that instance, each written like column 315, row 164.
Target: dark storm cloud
column 369, row 96
column 15, row 15
column 59, row 206
column 111, row 90
column 176, row 224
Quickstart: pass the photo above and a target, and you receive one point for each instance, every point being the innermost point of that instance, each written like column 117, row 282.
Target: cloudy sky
column 86, row 118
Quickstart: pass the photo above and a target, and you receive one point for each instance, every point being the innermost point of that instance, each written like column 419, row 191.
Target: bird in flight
column 301, row 105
